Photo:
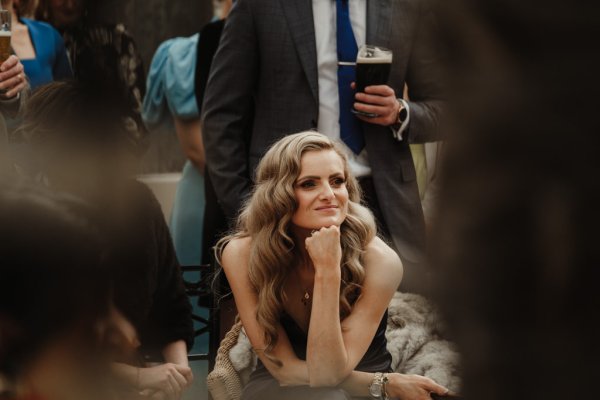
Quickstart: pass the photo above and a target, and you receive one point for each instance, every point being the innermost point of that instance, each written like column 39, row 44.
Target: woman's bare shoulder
column 381, row 259
column 236, row 253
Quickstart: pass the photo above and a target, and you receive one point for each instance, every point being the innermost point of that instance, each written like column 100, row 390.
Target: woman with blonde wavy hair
column 312, row 281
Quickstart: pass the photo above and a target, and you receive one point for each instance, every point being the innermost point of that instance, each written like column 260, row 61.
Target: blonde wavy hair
column 266, row 218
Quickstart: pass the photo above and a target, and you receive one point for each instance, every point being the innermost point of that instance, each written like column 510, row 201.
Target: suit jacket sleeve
column 228, row 107
column 425, row 81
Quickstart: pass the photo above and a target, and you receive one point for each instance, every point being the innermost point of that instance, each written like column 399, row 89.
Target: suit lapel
column 379, row 22
column 301, row 23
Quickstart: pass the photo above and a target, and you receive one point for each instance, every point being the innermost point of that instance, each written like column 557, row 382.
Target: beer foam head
column 374, row 55
column 5, row 33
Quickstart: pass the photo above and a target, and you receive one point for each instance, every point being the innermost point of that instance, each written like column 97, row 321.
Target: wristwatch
column 402, row 113
column 377, row 386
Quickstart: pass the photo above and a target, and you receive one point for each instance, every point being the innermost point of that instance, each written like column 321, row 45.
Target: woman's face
column 320, row 190
column 66, row 12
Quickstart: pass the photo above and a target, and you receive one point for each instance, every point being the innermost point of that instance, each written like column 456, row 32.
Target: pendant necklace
column 306, row 298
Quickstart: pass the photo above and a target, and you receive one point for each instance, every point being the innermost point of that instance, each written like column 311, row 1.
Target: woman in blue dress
column 39, row 46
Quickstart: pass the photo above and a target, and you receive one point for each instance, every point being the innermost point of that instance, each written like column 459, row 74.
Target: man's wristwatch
column 402, row 113
column 400, row 117
column 377, row 386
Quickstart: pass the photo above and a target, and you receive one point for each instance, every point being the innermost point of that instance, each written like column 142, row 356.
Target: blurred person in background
column 176, row 82
column 170, row 104
column 518, row 223
column 54, row 297
column 87, row 152
column 100, row 52
column 37, row 44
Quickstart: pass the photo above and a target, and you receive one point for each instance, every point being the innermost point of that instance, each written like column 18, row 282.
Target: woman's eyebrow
column 308, row 177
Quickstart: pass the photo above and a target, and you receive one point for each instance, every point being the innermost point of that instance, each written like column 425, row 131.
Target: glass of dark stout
column 5, row 36
column 373, row 64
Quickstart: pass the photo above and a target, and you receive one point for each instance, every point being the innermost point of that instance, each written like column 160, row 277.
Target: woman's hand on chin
column 324, row 249
column 412, row 387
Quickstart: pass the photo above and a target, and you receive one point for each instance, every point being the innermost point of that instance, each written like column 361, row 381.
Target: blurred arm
column 189, row 133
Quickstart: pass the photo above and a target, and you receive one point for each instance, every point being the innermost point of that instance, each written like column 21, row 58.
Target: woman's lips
column 327, row 208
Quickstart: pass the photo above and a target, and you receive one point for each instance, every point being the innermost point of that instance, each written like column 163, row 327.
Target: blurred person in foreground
column 101, row 52
column 518, row 244
column 284, row 67
column 312, row 281
column 87, row 152
column 39, row 46
column 54, row 297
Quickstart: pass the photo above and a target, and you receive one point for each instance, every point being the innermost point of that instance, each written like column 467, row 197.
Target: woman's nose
column 327, row 192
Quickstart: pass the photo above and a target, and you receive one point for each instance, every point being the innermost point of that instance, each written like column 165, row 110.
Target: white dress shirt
column 324, row 15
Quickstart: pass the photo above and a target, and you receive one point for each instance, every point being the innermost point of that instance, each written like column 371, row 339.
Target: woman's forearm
column 357, row 383
column 176, row 353
column 126, row 373
column 326, row 354
column 189, row 133
column 292, row 373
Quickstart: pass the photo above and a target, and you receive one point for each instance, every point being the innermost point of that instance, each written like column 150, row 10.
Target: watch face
column 403, row 114
column 375, row 389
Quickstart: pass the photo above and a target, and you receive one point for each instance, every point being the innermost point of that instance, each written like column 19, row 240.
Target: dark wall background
column 151, row 22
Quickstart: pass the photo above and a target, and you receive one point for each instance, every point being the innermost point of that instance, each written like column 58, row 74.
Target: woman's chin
column 327, row 222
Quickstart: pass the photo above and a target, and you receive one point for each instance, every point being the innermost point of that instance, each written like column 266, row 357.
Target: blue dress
column 51, row 62
column 170, row 91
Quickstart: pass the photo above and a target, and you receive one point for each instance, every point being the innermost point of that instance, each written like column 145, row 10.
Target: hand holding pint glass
column 12, row 80
column 5, row 35
column 378, row 103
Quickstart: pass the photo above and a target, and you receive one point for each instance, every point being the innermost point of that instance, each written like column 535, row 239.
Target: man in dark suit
column 281, row 68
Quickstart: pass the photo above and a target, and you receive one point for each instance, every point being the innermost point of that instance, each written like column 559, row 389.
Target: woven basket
column 224, row 382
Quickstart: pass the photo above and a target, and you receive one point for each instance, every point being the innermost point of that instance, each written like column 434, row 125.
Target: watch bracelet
column 384, row 381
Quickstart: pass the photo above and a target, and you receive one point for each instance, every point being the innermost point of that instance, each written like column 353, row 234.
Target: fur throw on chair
column 415, row 340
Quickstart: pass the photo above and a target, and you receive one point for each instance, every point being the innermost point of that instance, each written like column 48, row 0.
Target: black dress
column 262, row 385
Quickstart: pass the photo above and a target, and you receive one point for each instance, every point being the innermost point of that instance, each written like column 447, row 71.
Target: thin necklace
column 306, row 296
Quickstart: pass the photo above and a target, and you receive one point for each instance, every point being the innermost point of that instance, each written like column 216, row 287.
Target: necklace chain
column 305, row 298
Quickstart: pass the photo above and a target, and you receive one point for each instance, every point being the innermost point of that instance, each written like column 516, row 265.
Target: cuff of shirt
column 399, row 131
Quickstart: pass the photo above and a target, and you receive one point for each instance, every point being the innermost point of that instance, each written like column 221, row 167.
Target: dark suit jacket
column 264, row 84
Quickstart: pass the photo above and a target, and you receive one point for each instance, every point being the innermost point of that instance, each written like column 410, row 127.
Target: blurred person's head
column 54, row 293
column 23, row 8
column 62, row 13
column 222, row 8
column 78, row 139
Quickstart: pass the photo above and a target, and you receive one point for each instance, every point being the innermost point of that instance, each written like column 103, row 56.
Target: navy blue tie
column 350, row 127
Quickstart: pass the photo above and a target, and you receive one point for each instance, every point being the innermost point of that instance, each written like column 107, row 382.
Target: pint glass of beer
column 5, row 35
column 373, row 64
